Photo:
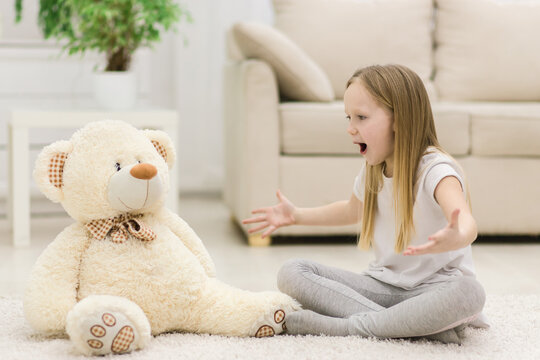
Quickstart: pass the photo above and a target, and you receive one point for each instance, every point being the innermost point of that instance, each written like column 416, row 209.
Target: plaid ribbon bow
column 119, row 227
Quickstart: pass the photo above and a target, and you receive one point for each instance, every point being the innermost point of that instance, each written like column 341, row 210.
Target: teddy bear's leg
column 103, row 324
column 230, row 311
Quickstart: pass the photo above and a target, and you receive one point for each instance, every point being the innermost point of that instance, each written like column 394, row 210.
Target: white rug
column 514, row 334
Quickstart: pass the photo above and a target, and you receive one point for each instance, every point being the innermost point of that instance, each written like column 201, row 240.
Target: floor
column 502, row 267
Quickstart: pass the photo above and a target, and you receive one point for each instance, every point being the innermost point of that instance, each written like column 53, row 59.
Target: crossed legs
column 341, row 303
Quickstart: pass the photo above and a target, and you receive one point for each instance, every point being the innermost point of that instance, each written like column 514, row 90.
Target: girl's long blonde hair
column 401, row 91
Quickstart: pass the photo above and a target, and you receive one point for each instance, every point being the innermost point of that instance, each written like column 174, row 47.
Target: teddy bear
column 128, row 268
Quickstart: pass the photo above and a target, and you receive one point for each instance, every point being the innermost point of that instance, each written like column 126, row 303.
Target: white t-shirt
column 409, row 272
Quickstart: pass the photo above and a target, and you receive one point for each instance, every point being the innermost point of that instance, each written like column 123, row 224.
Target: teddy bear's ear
column 48, row 173
column 163, row 144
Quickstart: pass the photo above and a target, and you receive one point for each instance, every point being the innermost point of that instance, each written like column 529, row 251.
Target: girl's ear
column 49, row 169
column 163, row 144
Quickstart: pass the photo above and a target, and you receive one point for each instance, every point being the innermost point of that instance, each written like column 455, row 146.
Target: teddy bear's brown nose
column 143, row 171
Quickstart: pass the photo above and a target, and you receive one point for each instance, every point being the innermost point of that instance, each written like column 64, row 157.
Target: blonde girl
column 411, row 200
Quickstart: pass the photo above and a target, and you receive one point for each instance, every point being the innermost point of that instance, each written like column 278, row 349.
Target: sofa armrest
column 252, row 146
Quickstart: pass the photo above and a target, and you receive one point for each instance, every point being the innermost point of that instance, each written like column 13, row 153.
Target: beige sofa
column 285, row 123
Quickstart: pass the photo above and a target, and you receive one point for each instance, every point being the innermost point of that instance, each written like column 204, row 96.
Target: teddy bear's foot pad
column 272, row 325
column 105, row 324
column 123, row 340
column 265, row 331
column 108, row 328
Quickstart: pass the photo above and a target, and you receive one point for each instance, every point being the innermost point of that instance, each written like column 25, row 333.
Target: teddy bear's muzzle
column 134, row 187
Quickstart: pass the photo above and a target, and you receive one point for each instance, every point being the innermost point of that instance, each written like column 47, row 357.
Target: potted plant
column 115, row 28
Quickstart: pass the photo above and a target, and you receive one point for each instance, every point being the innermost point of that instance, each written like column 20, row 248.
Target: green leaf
column 107, row 26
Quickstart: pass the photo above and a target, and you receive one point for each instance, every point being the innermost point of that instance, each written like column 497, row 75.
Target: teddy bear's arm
column 51, row 291
column 190, row 239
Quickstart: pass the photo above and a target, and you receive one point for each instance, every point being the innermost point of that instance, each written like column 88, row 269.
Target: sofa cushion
column 299, row 78
column 487, row 50
column 504, row 193
column 453, row 130
column 501, row 129
column 314, row 128
column 314, row 181
column 344, row 35
column 321, row 129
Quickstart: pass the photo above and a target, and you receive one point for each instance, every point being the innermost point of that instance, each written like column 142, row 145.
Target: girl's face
column 371, row 126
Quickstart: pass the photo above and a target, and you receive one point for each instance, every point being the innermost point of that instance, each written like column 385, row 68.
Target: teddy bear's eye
column 117, row 166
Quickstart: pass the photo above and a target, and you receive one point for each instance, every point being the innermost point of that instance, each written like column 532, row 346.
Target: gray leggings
column 342, row 303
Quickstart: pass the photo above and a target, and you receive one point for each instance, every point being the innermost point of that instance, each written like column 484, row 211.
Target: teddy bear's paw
column 271, row 324
column 110, row 333
column 104, row 324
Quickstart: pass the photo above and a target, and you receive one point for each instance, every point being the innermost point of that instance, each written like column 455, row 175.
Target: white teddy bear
column 128, row 267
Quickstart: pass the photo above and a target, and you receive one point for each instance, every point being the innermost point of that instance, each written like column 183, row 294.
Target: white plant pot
column 115, row 90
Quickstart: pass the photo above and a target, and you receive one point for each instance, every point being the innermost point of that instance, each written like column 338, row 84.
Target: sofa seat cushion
column 315, row 128
column 321, row 129
column 500, row 129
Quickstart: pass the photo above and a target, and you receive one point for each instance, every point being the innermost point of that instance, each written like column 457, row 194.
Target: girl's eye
column 117, row 166
column 360, row 117
column 139, row 161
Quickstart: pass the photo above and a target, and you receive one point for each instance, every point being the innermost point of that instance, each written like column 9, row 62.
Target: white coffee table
column 18, row 153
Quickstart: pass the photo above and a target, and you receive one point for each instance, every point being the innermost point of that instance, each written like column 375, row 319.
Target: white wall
column 198, row 80
column 187, row 78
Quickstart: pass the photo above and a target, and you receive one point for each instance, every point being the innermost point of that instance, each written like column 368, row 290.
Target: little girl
column 411, row 198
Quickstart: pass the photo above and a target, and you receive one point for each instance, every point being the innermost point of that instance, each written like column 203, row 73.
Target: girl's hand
column 273, row 217
column 447, row 239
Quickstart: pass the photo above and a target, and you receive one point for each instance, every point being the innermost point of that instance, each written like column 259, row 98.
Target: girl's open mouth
column 363, row 148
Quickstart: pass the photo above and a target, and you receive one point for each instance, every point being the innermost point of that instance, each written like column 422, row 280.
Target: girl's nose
column 351, row 130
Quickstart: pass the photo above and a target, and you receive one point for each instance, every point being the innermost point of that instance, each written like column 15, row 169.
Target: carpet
column 514, row 334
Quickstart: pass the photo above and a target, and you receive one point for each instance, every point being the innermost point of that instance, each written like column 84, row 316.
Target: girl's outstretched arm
column 285, row 213
column 461, row 229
